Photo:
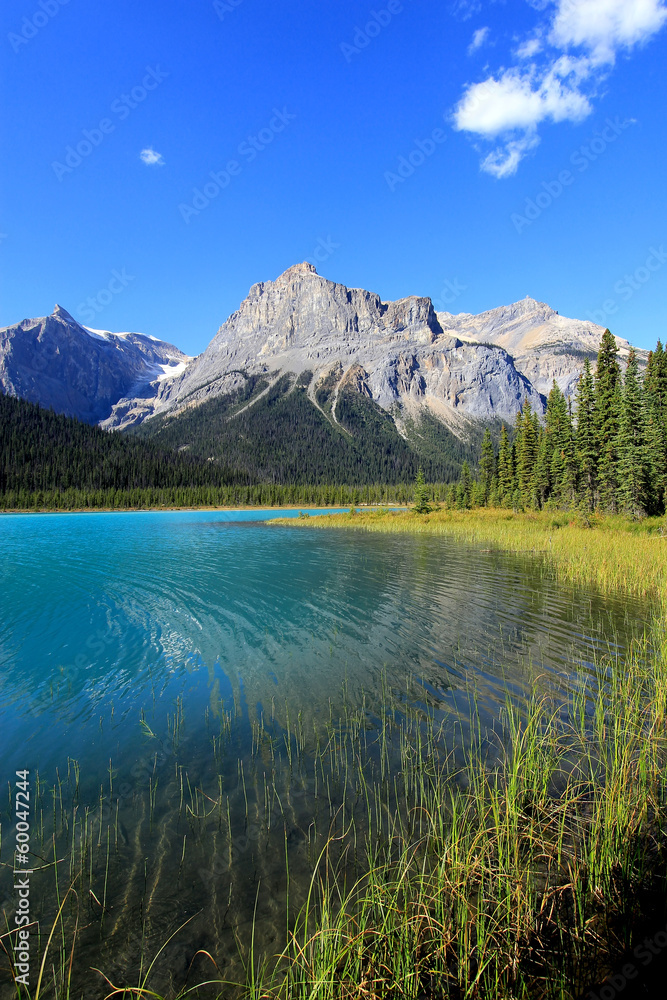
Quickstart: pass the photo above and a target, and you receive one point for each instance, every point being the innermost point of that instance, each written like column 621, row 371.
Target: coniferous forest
column 611, row 455
column 606, row 450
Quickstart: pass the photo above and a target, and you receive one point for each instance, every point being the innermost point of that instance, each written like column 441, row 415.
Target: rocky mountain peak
column 60, row 313
column 297, row 270
column 393, row 352
column 54, row 361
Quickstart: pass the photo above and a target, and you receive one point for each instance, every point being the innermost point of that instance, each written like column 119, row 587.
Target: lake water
column 188, row 690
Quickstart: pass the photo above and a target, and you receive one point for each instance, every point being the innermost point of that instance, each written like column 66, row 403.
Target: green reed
column 509, row 862
column 513, row 873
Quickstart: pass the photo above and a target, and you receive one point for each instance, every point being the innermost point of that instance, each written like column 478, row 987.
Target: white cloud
column 508, row 108
column 504, row 160
column 529, row 48
column 151, row 158
column 478, row 39
column 519, row 101
column 603, row 26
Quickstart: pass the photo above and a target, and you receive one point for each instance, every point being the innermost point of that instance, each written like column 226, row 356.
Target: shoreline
column 167, row 510
column 610, row 551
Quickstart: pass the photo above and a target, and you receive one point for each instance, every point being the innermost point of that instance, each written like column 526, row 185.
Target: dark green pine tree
column 656, row 459
column 464, row 488
column 585, row 442
column 634, row 465
column 655, row 387
column 538, row 430
column 655, row 379
column 526, row 442
column 560, row 448
column 505, row 470
column 542, row 476
column 606, row 421
column 421, row 495
column 487, row 467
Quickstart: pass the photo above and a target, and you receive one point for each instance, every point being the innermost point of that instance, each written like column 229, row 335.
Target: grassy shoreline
column 610, row 552
column 540, row 879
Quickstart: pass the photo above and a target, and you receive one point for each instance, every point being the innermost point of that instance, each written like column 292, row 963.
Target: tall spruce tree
column 421, row 495
column 555, row 470
column 487, row 466
column 586, row 447
column 464, row 488
column 526, row 442
column 560, row 447
column 634, row 467
column 542, row 474
column 607, row 417
column 655, row 379
column 655, row 387
column 505, row 470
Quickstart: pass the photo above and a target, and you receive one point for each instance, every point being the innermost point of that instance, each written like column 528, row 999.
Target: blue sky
column 161, row 157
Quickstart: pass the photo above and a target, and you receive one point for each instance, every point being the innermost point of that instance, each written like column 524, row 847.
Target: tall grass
column 516, row 862
column 610, row 552
column 520, row 873
column 529, row 869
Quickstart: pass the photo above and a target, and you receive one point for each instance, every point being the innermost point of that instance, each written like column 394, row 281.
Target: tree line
column 43, row 451
column 611, row 455
column 262, row 495
column 51, row 461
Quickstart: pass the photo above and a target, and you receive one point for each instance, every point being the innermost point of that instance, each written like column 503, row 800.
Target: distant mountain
column 56, row 362
column 544, row 345
column 309, row 378
column 395, row 353
column 410, row 360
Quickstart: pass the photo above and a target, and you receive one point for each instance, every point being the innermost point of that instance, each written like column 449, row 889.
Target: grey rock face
column 544, row 345
column 56, row 362
column 396, row 352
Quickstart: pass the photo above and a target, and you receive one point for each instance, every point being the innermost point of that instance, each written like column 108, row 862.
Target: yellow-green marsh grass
column 610, row 552
column 531, row 871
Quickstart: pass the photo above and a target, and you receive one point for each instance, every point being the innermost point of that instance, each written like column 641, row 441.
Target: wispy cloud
column 151, row 158
column 478, row 39
column 465, row 9
column 529, row 48
column 577, row 44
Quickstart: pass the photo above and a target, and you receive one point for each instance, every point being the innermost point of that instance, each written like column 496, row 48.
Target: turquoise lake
column 171, row 680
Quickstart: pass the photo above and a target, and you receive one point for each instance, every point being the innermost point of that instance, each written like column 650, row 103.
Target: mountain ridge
column 56, row 362
column 410, row 360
